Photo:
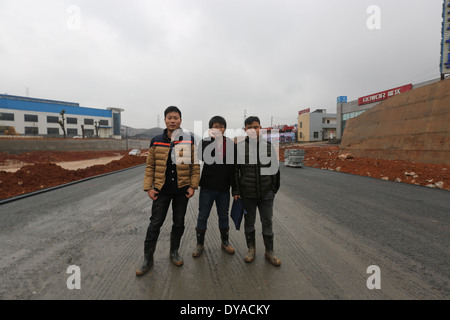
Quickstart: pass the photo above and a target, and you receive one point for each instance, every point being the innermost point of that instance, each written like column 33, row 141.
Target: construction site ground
column 37, row 170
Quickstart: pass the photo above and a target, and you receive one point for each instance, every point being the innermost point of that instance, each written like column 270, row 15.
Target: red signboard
column 383, row 95
column 304, row 111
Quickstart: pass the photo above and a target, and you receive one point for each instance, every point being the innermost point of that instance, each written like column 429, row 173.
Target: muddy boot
column 225, row 244
column 268, row 243
column 149, row 249
column 175, row 239
column 200, row 243
column 250, row 256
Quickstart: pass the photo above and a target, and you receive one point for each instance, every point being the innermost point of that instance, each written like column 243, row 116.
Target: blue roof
column 49, row 106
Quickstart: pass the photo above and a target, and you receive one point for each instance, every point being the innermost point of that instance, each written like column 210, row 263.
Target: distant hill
column 146, row 133
column 140, row 133
column 149, row 134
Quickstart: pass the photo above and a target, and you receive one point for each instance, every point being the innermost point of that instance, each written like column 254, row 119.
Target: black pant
column 160, row 208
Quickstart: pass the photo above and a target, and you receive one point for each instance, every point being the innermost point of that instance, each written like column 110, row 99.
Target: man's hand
column 190, row 192
column 153, row 194
column 237, row 197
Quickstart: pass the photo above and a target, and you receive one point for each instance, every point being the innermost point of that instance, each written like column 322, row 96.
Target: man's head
column 252, row 126
column 172, row 118
column 217, row 126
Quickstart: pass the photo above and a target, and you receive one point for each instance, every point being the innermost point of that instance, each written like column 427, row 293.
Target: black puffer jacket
column 256, row 171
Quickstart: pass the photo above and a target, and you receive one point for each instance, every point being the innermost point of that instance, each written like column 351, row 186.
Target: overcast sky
column 271, row 58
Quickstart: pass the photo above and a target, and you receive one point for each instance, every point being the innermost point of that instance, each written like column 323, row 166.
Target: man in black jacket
column 257, row 180
column 218, row 172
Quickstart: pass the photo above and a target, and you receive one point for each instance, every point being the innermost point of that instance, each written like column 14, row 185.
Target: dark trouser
column 265, row 208
column 159, row 212
column 206, row 201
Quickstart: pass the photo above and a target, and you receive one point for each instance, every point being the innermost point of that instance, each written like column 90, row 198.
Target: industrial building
column 316, row 126
column 40, row 117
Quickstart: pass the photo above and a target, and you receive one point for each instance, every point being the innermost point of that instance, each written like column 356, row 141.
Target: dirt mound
column 330, row 158
column 42, row 175
column 55, row 156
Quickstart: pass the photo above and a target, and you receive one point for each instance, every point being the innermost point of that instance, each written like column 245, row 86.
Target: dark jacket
column 218, row 169
column 257, row 171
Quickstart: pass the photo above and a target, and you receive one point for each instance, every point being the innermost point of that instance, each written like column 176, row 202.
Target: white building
column 33, row 117
column 316, row 126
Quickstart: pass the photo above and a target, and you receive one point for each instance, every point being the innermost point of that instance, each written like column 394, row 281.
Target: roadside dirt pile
column 44, row 174
column 329, row 158
column 39, row 171
column 55, row 156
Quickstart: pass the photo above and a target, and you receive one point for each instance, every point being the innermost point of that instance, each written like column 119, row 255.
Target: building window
column 88, row 121
column 53, row 131
column 31, row 130
column 103, row 122
column 301, row 135
column 72, row 132
column 301, row 124
column 116, row 124
column 72, row 120
column 6, row 116
column 31, row 118
column 351, row 115
column 89, row 132
column 52, row 119
column 316, row 135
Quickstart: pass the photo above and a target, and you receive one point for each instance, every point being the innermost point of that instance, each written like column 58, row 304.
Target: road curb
column 30, row 194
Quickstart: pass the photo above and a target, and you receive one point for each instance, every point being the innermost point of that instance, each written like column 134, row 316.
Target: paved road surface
column 329, row 228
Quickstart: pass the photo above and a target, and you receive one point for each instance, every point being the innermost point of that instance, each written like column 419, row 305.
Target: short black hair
column 251, row 119
column 171, row 109
column 219, row 120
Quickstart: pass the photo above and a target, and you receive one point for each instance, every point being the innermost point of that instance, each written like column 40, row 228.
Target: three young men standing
column 172, row 174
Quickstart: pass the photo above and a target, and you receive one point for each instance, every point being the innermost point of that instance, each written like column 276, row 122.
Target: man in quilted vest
column 172, row 175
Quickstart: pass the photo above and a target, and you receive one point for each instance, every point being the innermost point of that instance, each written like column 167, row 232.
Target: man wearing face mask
column 171, row 176
column 218, row 171
column 257, row 180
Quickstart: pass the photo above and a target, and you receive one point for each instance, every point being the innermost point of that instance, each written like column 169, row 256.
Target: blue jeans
column 206, row 201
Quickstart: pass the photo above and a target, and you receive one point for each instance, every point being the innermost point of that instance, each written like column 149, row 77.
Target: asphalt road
column 329, row 228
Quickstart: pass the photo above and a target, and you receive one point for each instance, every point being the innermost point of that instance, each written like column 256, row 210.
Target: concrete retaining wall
column 19, row 145
column 413, row 126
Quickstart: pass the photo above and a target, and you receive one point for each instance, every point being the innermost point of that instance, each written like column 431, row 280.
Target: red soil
column 329, row 158
column 41, row 173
